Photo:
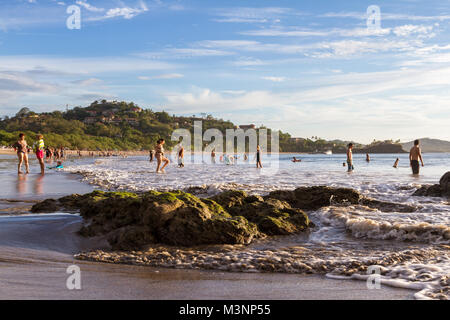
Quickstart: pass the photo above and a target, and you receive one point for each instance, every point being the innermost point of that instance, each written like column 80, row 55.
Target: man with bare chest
column 415, row 154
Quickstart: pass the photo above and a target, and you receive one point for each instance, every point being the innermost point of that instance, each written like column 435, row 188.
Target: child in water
column 59, row 165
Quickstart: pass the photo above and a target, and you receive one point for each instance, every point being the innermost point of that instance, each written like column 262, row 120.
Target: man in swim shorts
column 350, row 158
column 415, row 154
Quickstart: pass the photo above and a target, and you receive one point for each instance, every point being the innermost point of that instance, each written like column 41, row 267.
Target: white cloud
column 89, row 7
column 86, row 65
column 125, row 12
column 274, row 79
column 407, row 30
column 252, row 15
column 88, row 82
column 162, row 76
column 385, row 16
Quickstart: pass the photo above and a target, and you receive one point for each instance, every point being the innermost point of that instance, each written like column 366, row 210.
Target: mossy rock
column 273, row 216
column 313, row 198
column 130, row 221
column 230, row 198
column 46, row 206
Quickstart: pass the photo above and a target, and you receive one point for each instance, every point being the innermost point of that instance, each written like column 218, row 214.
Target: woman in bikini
column 159, row 153
column 21, row 148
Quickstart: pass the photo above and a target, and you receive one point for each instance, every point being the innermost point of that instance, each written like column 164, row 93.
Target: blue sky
column 305, row 67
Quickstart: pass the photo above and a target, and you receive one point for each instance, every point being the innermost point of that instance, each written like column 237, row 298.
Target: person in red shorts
column 39, row 148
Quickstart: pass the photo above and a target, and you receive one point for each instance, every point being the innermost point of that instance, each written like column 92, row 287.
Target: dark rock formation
column 130, row 220
column 436, row 190
column 445, row 184
column 428, row 191
column 313, row 198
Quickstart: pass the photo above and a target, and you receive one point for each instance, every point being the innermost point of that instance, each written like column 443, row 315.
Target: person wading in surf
column 159, row 153
column 350, row 158
column 415, row 154
column 39, row 148
column 21, row 148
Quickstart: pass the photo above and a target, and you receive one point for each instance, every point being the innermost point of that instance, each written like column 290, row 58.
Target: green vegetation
column 113, row 125
column 102, row 126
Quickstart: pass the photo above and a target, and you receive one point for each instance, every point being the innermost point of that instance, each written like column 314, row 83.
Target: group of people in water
column 40, row 150
column 162, row 161
column 23, row 149
column 415, row 155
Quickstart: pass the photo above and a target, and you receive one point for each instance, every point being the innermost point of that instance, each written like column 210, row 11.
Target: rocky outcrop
column 313, row 198
column 272, row 216
column 445, row 184
column 436, row 190
column 130, row 221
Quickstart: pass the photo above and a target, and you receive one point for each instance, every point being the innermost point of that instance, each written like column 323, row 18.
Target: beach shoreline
column 223, row 285
column 35, row 267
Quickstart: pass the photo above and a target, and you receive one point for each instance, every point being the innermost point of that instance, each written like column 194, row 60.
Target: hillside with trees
column 113, row 125
column 430, row 145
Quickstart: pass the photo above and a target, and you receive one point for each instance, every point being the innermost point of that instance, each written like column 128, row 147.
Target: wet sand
column 35, row 252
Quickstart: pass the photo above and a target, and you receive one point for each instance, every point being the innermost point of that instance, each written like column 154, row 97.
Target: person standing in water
column 415, row 154
column 258, row 158
column 39, row 148
column 213, row 156
column 367, row 157
column 152, row 155
column 350, row 157
column 181, row 157
column 21, row 148
column 159, row 153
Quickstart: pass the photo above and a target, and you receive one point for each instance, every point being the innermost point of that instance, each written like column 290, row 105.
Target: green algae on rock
column 130, row 220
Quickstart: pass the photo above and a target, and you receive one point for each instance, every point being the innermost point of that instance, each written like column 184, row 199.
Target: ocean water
column 411, row 249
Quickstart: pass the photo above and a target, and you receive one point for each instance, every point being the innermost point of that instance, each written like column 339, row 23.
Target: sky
column 311, row 68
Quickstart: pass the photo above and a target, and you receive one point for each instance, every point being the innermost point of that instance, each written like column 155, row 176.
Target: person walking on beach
column 350, row 157
column 39, row 148
column 159, row 153
column 258, row 157
column 181, row 157
column 21, row 148
column 415, row 154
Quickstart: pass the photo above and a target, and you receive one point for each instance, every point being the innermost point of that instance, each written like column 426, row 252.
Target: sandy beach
column 35, row 252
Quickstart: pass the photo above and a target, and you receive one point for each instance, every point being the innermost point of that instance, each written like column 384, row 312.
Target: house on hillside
column 90, row 120
column 136, row 109
column 108, row 113
column 247, row 126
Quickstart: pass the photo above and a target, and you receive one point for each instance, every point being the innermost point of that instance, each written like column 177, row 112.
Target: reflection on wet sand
column 21, row 185
column 38, row 185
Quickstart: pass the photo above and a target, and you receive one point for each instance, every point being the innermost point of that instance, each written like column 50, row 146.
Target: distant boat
column 329, row 152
